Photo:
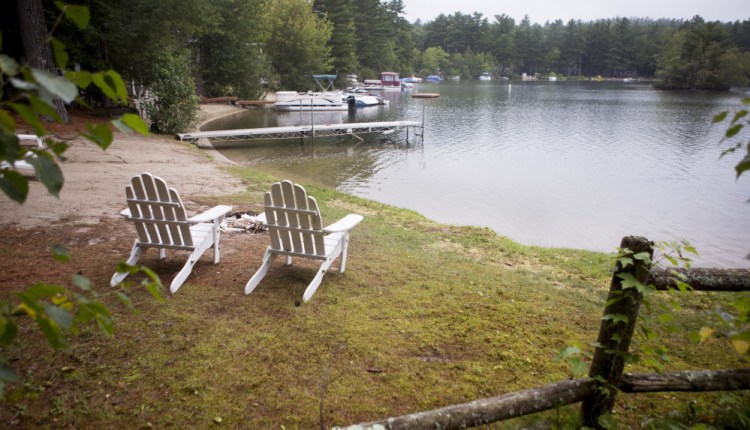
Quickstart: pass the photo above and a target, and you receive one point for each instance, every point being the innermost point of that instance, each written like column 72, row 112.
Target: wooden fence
column 597, row 392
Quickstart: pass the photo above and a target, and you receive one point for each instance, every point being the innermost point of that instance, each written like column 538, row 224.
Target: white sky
column 586, row 10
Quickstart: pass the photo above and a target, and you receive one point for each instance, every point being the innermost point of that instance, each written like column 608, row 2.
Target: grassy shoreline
column 425, row 316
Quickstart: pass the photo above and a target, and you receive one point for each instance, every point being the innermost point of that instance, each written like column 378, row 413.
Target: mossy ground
column 425, row 316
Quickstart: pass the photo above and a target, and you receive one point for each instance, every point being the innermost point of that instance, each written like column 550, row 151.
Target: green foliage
column 175, row 104
column 434, row 60
column 577, row 358
column 651, row 350
column 77, row 14
column 60, row 311
column 57, row 311
column 701, row 56
column 341, row 14
column 731, row 411
column 297, row 43
column 230, row 57
column 737, row 136
column 375, row 37
column 735, row 322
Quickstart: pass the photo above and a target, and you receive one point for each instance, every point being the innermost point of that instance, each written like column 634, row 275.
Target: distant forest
column 234, row 47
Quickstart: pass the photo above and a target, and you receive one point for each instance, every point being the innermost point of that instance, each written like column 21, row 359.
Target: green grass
column 425, row 316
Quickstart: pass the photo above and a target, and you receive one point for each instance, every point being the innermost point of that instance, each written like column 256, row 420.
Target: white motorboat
column 323, row 101
column 364, row 100
column 485, row 76
column 411, row 80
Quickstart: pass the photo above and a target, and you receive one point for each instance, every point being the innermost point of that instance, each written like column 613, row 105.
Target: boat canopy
column 325, row 82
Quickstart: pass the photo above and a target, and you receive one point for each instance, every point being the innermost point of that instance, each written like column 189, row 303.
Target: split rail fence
column 606, row 372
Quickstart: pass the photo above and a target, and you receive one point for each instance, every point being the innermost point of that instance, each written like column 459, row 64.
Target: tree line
column 235, row 47
column 670, row 50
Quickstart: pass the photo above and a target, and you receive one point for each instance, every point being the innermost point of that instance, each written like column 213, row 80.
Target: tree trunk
column 35, row 44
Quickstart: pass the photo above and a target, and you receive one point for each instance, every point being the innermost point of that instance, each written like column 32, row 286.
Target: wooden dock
column 425, row 95
column 302, row 131
column 243, row 103
column 227, row 100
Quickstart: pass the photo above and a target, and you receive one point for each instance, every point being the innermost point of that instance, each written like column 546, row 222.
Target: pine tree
column 36, row 44
column 340, row 13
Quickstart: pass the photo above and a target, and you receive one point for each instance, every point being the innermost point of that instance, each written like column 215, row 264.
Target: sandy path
column 95, row 180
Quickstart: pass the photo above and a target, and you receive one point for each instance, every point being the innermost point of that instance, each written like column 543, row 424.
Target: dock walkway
column 301, row 131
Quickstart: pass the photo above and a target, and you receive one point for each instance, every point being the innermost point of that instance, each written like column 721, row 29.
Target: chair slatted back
column 293, row 220
column 157, row 212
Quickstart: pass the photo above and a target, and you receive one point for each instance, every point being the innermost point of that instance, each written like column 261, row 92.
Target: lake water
column 562, row 164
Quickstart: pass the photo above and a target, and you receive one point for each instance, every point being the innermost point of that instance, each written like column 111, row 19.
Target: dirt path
column 95, row 180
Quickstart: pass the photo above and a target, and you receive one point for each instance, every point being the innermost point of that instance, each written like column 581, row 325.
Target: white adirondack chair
column 295, row 227
column 22, row 166
column 160, row 221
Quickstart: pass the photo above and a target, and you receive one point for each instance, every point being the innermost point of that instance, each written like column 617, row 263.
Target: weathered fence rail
column 607, row 364
column 691, row 380
column 704, row 279
column 484, row 411
column 492, row 409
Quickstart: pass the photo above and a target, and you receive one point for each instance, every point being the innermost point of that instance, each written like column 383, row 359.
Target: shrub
column 175, row 104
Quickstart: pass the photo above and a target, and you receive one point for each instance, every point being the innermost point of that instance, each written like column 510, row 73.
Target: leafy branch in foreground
column 60, row 311
column 31, row 94
column 738, row 134
column 735, row 324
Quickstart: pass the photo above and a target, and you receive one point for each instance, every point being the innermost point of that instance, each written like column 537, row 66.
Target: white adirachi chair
column 160, row 221
column 295, row 226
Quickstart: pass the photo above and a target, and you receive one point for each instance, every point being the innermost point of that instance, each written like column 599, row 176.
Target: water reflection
column 570, row 164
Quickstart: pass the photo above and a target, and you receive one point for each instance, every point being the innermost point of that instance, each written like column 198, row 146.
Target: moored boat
column 391, row 81
column 485, row 76
column 364, row 100
column 372, row 85
column 324, row 101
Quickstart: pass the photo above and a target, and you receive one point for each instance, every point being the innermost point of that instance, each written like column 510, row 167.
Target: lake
column 560, row 164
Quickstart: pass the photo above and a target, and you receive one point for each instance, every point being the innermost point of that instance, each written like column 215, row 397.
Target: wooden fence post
column 616, row 331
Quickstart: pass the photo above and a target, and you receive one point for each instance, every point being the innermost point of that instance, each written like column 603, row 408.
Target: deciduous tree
column 297, row 42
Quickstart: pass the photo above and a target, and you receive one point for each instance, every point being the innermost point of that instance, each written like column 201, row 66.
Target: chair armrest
column 212, row 214
column 344, row 224
column 33, row 137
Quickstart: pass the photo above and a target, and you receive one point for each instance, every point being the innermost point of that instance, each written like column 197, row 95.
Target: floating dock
column 301, row 131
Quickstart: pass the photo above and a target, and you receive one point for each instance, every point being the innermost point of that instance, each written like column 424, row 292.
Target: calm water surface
column 563, row 164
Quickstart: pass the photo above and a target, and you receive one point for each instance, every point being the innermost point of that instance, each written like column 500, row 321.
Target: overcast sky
column 586, row 10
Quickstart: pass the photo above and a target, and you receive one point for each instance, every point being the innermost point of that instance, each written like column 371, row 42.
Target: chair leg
column 268, row 258
column 188, row 267
column 345, row 248
column 162, row 253
column 135, row 254
column 216, row 231
column 310, row 290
